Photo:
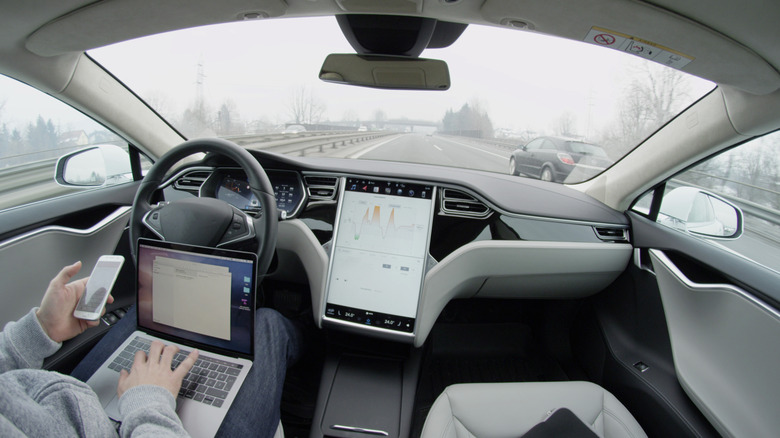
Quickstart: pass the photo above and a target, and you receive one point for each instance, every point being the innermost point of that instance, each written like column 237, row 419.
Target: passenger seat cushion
column 498, row 410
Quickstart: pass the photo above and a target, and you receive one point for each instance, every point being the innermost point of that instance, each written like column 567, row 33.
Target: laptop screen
column 196, row 295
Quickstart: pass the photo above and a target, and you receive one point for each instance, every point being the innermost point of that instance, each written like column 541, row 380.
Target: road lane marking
column 440, row 149
column 365, row 151
column 477, row 149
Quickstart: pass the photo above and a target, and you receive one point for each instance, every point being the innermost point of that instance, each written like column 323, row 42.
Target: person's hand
column 155, row 369
column 59, row 302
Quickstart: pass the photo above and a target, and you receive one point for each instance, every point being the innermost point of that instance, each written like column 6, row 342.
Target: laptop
column 191, row 297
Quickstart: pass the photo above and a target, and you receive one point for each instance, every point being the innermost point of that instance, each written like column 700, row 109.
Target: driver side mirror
column 94, row 166
column 701, row 213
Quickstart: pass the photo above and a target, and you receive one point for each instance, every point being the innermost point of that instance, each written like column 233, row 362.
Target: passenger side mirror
column 701, row 213
column 94, row 166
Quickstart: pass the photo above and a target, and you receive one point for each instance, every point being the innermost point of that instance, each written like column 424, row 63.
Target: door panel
column 725, row 344
column 40, row 238
column 34, row 258
column 721, row 310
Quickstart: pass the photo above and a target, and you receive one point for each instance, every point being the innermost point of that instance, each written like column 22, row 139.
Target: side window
column 702, row 201
column 548, row 145
column 536, row 144
column 35, row 130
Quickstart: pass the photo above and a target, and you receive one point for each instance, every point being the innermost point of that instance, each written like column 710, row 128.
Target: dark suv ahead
column 554, row 158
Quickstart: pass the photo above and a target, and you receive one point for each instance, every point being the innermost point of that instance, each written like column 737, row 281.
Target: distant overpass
column 391, row 124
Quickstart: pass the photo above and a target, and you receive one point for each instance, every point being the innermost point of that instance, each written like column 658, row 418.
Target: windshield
column 257, row 83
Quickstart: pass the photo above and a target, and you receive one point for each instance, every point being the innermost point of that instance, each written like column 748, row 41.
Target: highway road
column 442, row 151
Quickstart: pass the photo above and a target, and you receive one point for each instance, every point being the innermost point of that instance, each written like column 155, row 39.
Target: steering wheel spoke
column 240, row 229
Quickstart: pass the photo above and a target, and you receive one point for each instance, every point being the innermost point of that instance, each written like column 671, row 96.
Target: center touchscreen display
column 379, row 254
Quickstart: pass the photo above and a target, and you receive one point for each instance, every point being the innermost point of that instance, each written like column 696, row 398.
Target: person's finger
column 155, row 351
column 139, row 359
column 120, row 387
column 186, row 365
column 167, row 355
column 110, row 299
column 66, row 273
column 78, row 286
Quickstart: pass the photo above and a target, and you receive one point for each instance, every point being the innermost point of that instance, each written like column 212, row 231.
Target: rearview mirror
column 392, row 72
column 701, row 213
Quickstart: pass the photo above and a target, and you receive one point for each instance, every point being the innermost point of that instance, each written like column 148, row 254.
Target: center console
column 378, row 260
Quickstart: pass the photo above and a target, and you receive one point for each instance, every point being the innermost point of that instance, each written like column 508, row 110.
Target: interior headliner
column 735, row 52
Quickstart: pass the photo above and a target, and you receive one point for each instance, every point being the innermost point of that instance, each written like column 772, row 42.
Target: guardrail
column 245, row 139
column 34, row 181
column 296, row 146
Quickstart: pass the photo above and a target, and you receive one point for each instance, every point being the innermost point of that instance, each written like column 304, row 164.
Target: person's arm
column 39, row 334
column 147, row 394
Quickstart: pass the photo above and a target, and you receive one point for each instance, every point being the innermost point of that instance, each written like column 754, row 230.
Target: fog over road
column 442, row 151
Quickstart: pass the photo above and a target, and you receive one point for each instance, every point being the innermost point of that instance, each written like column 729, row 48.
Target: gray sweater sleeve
column 149, row 410
column 24, row 344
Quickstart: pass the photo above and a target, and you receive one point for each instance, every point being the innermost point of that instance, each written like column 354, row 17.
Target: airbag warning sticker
column 636, row 46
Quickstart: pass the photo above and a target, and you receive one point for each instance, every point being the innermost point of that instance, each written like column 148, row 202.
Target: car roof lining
column 717, row 57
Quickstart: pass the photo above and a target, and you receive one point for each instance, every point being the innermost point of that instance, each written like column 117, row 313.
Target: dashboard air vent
column 610, row 234
column 457, row 203
column 320, row 187
column 191, row 181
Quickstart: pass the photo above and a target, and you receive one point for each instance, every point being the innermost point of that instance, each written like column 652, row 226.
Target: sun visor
column 107, row 22
column 622, row 25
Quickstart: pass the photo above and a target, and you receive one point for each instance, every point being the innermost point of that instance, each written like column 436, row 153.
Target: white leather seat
column 497, row 410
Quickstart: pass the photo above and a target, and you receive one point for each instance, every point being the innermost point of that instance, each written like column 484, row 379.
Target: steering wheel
column 207, row 221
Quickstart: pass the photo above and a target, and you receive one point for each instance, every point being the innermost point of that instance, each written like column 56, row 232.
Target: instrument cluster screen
column 233, row 188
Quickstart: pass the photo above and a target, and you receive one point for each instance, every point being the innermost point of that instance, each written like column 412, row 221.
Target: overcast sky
column 524, row 80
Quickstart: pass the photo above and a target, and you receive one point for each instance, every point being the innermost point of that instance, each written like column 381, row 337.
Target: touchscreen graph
column 385, row 224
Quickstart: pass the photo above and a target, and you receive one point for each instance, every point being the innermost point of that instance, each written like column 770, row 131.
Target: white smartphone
column 99, row 285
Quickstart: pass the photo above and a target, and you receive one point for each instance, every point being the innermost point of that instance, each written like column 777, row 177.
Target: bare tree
column 651, row 99
column 305, row 108
column 566, row 124
column 229, row 119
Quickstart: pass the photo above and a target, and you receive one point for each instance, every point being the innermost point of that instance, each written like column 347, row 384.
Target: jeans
column 255, row 410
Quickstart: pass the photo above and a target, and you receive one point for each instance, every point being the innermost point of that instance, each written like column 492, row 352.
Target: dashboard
column 383, row 249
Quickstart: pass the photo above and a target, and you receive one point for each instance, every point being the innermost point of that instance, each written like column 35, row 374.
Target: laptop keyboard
column 208, row 382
